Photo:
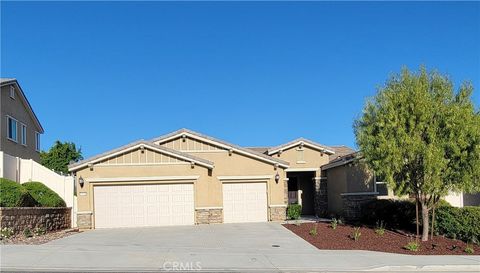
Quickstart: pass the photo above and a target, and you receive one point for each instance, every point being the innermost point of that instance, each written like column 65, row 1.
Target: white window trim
column 37, row 141
column 12, row 92
column 8, row 129
column 23, row 134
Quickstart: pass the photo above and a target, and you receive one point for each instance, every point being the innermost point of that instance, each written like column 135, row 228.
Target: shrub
column 356, row 234
column 6, row 233
column 469, row 249
column 458, row 223
column 334, row 223
column 13, row 194
column 313, row 231
column 396, row 214
column 27, row 232
column 412, row 246
column 380, row 229
column 44, row 195
column 294, row 211
column 39, row 231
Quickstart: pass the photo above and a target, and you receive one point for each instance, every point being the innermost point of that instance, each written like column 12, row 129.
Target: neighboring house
column 351, row 183
column 186, row 178
column 20, row 127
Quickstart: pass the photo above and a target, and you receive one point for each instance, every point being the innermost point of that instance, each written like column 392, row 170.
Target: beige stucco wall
column 336, row 185
column 16, row 109
column 208, row 187
column 311, row 158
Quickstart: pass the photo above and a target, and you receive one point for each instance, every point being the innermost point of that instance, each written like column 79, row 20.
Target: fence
column 26, row 170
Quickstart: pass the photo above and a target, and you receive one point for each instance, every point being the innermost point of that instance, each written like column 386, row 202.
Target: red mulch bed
column 390, row 241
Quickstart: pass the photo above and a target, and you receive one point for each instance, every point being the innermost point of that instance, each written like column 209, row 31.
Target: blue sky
column 103, row 74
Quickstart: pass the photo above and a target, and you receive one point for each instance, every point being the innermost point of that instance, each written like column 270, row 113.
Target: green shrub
column 44, row 195
column 13, row 194
column 314, row 231
column 39, row 231
column 334, row 223
column 6, row 233
column 27, row 232
column 458, row 223
column 294, row 211
column 469, row 249
column 413, row 246
column 395, row 214
column 380, row 229
column 356, row 234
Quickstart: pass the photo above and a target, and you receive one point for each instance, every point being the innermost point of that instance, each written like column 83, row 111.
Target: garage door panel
column 143, row 205
column 244, row 202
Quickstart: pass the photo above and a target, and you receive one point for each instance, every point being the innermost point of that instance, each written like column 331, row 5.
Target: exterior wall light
column 184, row 137
column 81, row 182
column 230, row 152
column 277, row 178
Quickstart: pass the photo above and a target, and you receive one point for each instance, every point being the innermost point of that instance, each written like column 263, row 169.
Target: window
column 12, row 129
column 37, row 141
column 24, row 134
column 12, row 92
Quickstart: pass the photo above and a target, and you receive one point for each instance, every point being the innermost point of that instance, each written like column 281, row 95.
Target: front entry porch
column 301, row 190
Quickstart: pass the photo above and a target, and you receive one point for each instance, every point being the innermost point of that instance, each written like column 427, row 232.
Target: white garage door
column 143, row 205
column 244, row 202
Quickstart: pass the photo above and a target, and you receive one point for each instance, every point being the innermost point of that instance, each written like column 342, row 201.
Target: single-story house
column 186, row 178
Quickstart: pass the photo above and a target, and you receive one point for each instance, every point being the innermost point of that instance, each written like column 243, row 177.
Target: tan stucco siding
column 308, row 158
column 358, row 178
column 189, row 144
column 17, row 109
column 336, row 179
column 138, row 157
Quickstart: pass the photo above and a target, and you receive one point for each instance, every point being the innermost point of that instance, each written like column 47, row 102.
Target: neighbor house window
column 12, row 129
column 12, row 92
column 24, row 134
column 37, row 141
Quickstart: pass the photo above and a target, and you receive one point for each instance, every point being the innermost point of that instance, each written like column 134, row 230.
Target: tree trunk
column 433, row 222
column 424, row 221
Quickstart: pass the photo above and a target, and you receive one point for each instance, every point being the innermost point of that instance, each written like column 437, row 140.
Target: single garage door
column 143, row 205
column 244, row 202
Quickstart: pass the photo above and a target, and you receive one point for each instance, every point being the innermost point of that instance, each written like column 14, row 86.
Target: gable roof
column 135, row 145
column 9, row 81
column 262, row 150
column 299, row 141
column 343, row 160
column 340, row 151
column 222, row 144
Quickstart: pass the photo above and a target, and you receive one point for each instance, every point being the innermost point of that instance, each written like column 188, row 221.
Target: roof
column 136, row 144
column 299, row 141
column 340, row 151
column 223, row 144
column 343, row 160
column 8, row 81
column 261, row 150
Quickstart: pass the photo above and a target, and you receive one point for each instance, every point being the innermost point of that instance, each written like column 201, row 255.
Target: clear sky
column 103, row 74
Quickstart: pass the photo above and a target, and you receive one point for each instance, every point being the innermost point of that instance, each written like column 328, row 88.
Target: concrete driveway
column 265, row 247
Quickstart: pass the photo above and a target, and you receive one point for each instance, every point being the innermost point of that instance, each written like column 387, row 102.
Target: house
column 21, row 129
column 186, row 178
column 351, row 183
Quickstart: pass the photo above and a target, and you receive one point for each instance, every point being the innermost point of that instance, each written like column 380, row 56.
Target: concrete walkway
column 260, row 247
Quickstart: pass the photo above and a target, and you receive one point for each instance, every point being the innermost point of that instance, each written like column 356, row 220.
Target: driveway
column 265, row 247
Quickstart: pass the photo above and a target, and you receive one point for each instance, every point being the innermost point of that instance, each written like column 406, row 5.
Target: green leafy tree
column 423, row 137
column 60, row 155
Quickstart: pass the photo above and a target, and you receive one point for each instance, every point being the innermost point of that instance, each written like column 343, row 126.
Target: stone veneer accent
column 84, row 220
column 277, row 213
column 352, row 205
column 321, row 197
column 209, row 216
column 32, row 217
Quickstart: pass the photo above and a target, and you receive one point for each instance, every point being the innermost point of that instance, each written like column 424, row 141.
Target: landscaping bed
column 391, row 241
column 21, row 239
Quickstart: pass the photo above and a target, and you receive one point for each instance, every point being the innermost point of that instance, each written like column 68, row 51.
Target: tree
column 423, row 137
column 60, row 155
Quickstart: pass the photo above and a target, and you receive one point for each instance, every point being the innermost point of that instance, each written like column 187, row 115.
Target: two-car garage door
column 143, row 205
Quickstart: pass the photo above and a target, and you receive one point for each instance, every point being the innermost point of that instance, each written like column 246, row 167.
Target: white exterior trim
column 144, row 178
column 303, row 143
column 221, row 145
column 302, row 169
column 245, row 177
column 208, row 208
column 134, row 147
column 142, row 164
column 277, row 206
column 203, row 151
column 359, row 193
column 16, row 128
column 84, row 212
column 336, row 164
